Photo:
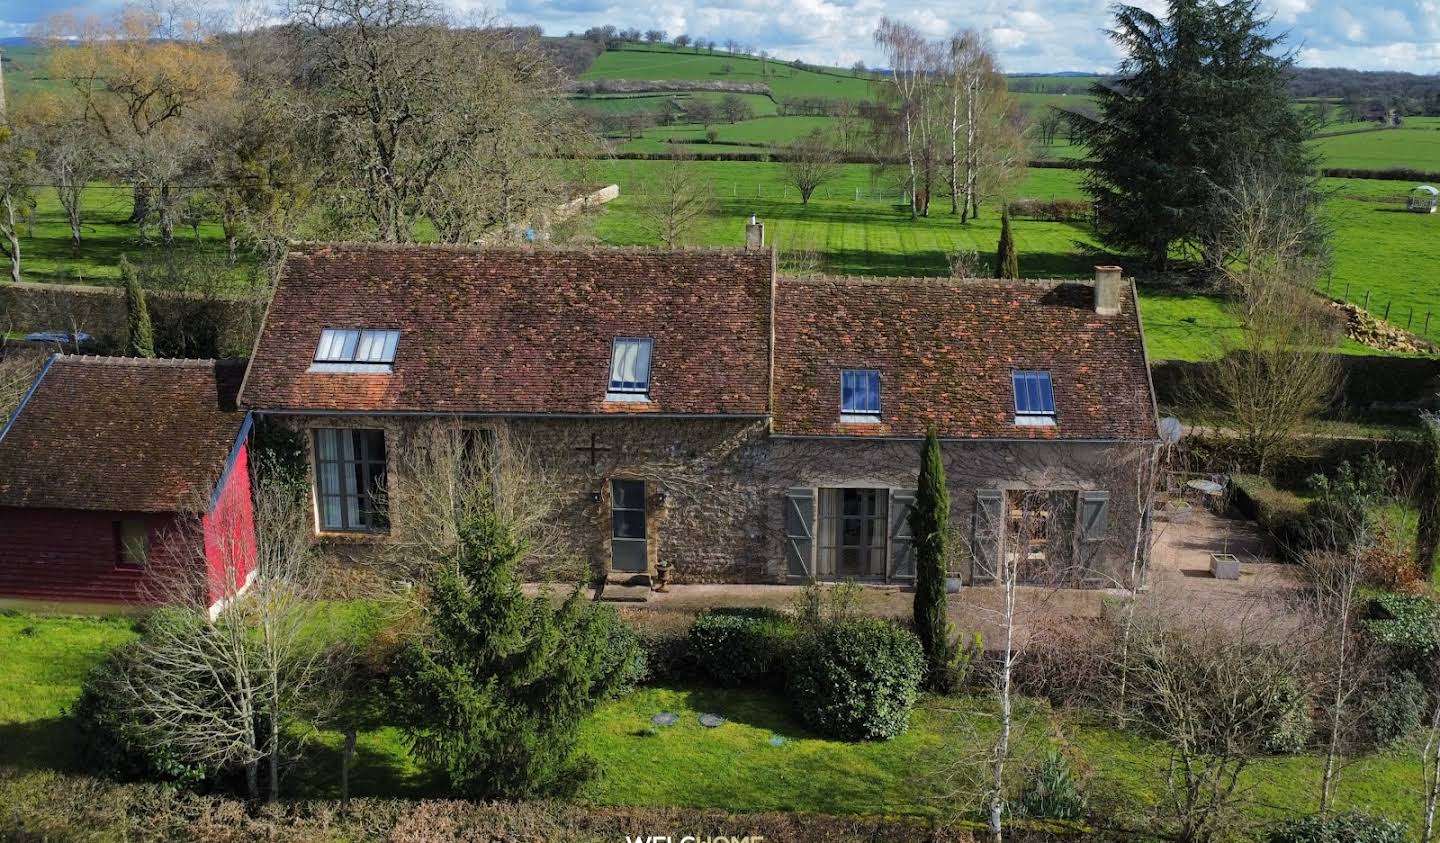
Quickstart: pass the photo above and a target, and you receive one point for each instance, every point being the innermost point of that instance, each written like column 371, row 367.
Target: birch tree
column 907, row 54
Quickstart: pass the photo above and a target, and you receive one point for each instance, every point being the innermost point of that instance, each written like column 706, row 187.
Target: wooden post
column 345, row 755
column 1387, row 309
column 1409, row 317
column 1426, row 332
column 1367, row 301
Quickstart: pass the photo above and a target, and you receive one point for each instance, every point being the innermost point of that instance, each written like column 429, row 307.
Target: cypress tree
column 1427, row 538
column 1007, row 262
column 929, row 527
column 137, row 314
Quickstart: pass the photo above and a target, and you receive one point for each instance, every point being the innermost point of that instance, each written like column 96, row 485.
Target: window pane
column 350, row 478
column 628, row 523
column 372, row 343
column 629, row 494
column 859, row 391
column 628, row 555
column 630, row 365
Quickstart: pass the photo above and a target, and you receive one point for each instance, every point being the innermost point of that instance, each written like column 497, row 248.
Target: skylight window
column 1034, row 398
column 356, row 350
column 859, row 395
column 630, row 369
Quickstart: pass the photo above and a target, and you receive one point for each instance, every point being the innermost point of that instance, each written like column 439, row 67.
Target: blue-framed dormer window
column 1034, row 398
column 630, row 369
column 860, row 395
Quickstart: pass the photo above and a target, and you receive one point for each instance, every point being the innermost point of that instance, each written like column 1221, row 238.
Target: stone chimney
column 1108, row 287
column 754, row 234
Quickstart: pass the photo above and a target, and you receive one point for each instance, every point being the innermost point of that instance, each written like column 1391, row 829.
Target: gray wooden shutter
column 986, row 535
column 799, row 531
column 902, row 541
column 1092, row 525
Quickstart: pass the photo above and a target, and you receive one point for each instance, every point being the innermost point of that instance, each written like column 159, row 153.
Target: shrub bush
column 1051, row 792
column 1279, row 513
column 112, row 739
column 1290, row 728
column 1338, row 828
column 857, row 679
column 1404, row 623
column 1394, row 709
column 741, row 647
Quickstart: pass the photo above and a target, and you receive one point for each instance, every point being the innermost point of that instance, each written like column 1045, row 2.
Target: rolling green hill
column 640, row 63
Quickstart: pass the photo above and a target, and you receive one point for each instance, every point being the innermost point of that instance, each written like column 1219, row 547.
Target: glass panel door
column 628, row 541
column 853, row 525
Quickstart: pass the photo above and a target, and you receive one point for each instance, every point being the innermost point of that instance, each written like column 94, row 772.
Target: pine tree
column 1201, row 99
column 1007, row 261
column 929, row 526
column 1427, row 539
column 137, row 313
column 495, row 691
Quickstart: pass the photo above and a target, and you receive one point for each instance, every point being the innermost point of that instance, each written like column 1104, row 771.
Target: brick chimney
column 754, row 234
column 1108, row 287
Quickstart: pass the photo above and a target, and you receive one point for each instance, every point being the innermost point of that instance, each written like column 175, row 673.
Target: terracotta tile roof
column 122, row 434
column 519, row 330
column 945, row 351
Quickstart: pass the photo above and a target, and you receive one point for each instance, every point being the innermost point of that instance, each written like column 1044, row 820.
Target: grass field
column 1415, row 145
column 736, row 767
column 637, row 63
column 760, row 106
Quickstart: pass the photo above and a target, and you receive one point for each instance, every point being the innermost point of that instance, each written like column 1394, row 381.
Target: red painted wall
column 64, row 555
column 229, row 529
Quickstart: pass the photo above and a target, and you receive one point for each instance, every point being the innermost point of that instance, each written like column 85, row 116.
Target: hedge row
column 1279, row 513
column 49, row 806
column 1388, row 174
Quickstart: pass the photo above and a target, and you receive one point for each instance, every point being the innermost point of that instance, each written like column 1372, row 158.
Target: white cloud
column 1030, row 35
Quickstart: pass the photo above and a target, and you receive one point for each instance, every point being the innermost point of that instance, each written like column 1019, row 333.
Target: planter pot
column 1224, row 566
column 952, row 585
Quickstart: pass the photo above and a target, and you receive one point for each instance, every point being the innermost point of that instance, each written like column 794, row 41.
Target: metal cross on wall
column 594, row 449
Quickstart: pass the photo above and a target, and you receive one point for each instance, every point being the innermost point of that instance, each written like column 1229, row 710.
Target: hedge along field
column 1415, row 145
column 635, row 62
column 776, row 131
column 760, row 105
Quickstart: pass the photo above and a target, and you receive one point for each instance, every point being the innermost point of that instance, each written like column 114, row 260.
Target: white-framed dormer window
column 1034, row 398
column 356, row 350
column 860, row 396
column 630, row 369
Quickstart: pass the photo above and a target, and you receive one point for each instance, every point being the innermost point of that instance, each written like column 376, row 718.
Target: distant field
column 760, row 106
column 24, row 70
column 636, row 63
column 1415, row 145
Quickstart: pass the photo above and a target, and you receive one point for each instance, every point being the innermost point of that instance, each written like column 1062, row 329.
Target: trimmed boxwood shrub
column 857, row 679
column 741, row 647
column 1278, row 513
column 1338, row 828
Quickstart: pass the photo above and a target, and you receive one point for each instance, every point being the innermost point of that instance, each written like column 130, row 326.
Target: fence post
column 1346, row 297
column 1367, row 301
column 1409, row 317
column 1426, row 332
column 1387, row 310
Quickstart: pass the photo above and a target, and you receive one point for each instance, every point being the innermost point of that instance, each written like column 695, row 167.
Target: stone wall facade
column 717, row 490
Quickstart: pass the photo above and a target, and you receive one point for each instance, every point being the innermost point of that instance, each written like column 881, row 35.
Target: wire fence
column 1402, row 315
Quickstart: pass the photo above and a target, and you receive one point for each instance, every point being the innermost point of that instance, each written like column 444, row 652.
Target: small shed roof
column 121, row 434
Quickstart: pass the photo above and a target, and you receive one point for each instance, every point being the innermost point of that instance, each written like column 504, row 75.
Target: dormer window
column 860, row 396
column 356, row 350
column 1034, row 398
column 630, row 369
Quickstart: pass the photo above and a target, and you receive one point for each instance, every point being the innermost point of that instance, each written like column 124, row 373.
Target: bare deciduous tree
column 1213, row 687
column 223, row 687
column 676, row 201
column 809, row 162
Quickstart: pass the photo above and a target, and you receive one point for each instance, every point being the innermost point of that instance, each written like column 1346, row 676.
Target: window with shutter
column 902, row 544
column 1091, row 529
column 987, row 533
column 799, row 532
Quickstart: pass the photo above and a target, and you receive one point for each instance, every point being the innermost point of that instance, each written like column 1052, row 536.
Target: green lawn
column 739, row 766
column 43, row 661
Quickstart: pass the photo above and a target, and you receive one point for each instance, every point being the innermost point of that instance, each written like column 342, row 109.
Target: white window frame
column 618, row 389
column 356, row 351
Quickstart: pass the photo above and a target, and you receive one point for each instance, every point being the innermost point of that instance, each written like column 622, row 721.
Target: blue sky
column 1030, row 35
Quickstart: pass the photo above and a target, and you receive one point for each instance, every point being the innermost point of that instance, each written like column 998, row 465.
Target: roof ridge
column 116, row 360
column 476, row 248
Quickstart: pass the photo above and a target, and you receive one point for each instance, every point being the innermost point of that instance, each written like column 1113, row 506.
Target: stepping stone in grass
column 710, row 721
column 665, row 718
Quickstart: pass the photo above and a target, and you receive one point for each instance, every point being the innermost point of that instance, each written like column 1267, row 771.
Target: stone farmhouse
column 707, row 415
